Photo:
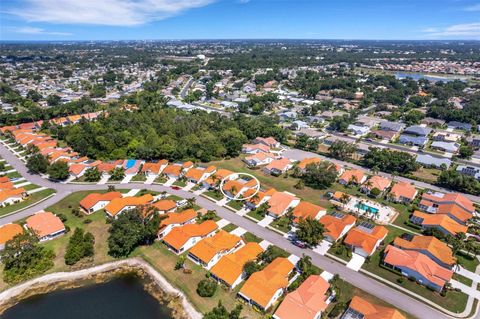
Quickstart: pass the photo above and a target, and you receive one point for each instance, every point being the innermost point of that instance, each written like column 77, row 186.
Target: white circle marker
column 226, row 178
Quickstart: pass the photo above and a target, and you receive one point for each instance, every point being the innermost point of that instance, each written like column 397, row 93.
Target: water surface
column 121, row 298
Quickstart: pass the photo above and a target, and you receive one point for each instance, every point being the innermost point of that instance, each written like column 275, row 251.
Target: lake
column 120, row 298
column 418, row 76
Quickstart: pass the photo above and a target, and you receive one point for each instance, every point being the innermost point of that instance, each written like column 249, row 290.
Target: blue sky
column 238, row 19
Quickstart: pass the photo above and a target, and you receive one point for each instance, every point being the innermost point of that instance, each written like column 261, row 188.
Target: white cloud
column 103, row 12
column 37, row 31
column 459, row 31
column 475, row 7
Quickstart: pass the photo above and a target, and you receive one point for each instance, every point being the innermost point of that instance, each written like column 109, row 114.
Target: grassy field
column 32, row 199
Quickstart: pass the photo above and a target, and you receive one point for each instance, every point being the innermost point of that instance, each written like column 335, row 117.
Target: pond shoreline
column 157, row 286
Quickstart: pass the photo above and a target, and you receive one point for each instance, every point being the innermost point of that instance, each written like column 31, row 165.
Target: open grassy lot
column 32, row 199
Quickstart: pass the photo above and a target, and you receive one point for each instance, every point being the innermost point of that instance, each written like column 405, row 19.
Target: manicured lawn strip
column 14, row 175
column 235, row 204
column 249, row 237
column 29, row 187
column 466, row 261
column 147, row 191
column 463, row 279
column 228, row 228
column 282, row 224
column 174, row 197
column 346, row 254
column 139, row 178
column 160, row 180
column 255, row 214
column 32, row 199
column 214, row 195
column 180, row 183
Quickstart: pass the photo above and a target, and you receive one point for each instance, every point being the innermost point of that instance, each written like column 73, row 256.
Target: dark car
column 299, row 244
column 175, row 188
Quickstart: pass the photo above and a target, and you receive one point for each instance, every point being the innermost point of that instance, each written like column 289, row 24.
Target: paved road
column 384, row 292
column 184, row 90
column 299, row 155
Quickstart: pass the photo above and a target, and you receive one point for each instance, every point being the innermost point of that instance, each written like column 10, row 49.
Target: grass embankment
column 32, row 199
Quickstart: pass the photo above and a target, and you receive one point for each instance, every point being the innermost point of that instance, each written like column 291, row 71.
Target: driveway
column 266, row 221
column 323, row 247
column 356, row 262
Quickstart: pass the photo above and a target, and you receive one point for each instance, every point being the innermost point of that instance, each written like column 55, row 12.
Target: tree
column 250, row 267
column 342, row 150
column 80, row 245
column 24, row 258
column 37, row 163
column 319, row 175
column 130, row 230
column 220, row 312
column 310, row 231
column 465, row 151
column 390, row 161
column 117, row 174
column 58, row 170
column 92, row 174
column 206, row 288
column 53, row 100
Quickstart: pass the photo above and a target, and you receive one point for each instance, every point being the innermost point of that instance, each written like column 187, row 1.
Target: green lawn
column 213, row 194
column 249, row 237
column 463, row 279
column 466, row 261
column 228, row 228
column 282, row 224
column 32, row 199
column 180, row 183
column 254, row 214
column 235, row 204
column 13, row 175
column 30, row 187
column 160, row 180
column 139, row 178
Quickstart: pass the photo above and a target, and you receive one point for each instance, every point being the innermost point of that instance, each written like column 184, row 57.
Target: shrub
column 206, row 288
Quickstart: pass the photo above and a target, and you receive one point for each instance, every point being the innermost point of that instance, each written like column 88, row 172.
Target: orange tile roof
column 260, row 156
column 211, row 169
column 454, row 210
column 218, row 176
column 418, row 262
column 77, row 168
column 44, row 224
column 279, row 164
column 6, row 185
column 178, row 218
column 311, row 160
column 306, row 210
column 372, row 311
column 262, row 285
column 451, row 198
column 334, row 226
column 306, row 301
column 208, row 247
column 154, row 167
column 355, row 175
column 230, row 266
column 404, row 190
column 9, row 193
column 441, row 220
column 378, row 182
column 428, row 243
column 180, row 235
column 232, row 186
column 279, row 202
column 4, row 179
column 261, row 147
column 358, row 237
column 267, row 140
column 117, row 204
column 106, row 167
column 8, row 231
column 165, row 205
column 173, row 169
column 91, row 199
column 195, row 173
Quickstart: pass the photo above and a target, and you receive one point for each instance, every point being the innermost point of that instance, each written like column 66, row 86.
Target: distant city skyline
column 70, row 20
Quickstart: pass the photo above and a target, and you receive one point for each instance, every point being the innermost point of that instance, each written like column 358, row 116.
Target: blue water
column 130, row 163
column 366, row 207
column 418, row 76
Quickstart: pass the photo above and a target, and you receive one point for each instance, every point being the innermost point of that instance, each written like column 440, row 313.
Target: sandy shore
column 16, row 293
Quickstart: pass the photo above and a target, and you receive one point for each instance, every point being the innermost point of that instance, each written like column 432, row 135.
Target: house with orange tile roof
column 154, row 168
column 413, row 264
column 337, row 225
column 308, row 301
column 173, row 171
column 4, row 179
column 306, row 210
column 119, row 205
column 229, row 269
column 268, row 141
column 302, row 165
column 278, row 166
column 455, row 205
column 181, row 239
column 164, row 206
column 77, row 170
column 45, row 225
column 255, row 148
column 402, row 192
column 280, row 202
column 431, row 246
column 199, row 174
column 441, row 222
column 365, row 238
column 354, row 176
column 213, row 181
column 379, row 182
column 208, row 251
column 12, row 196
column 361, row 308
column 7, row 232
column 259, row 159
column 264, row 287
column 174, row 219
column 106, row 167
column 257, row 199
column 96, row 201
column 6, row 185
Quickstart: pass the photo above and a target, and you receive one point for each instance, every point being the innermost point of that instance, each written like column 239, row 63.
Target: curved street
column 360, row 280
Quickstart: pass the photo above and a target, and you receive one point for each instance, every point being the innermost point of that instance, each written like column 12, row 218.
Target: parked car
column 175, row 188
column 299, row 244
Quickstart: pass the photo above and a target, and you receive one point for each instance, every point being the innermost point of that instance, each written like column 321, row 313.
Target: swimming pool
column 367, row 208
column 130, row 163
